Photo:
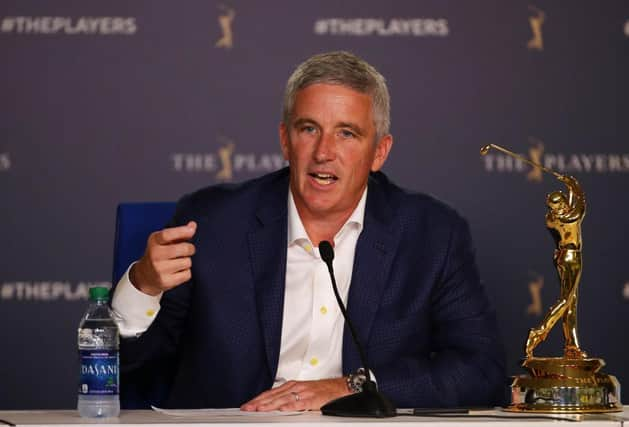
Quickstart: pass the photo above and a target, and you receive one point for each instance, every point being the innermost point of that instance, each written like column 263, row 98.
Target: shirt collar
column 296, row 230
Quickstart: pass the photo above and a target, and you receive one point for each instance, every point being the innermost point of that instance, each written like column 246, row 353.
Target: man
column 247, row 315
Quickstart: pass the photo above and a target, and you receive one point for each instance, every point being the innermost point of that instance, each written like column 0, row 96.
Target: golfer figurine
column 564, row 218
column 573, row 383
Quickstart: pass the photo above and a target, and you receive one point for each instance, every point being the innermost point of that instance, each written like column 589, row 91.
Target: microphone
column 369, row 403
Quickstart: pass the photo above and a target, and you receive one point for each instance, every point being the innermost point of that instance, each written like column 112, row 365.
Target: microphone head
column 326, row 251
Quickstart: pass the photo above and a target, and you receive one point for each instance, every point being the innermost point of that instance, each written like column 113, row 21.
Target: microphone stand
column 369, row 403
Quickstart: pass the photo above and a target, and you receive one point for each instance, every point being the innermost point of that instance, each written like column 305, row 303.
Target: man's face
column 331, row 148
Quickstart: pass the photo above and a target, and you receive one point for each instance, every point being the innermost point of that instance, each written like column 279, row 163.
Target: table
column 310, row 419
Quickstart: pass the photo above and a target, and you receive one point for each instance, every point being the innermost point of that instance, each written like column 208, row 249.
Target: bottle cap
column 99, row 293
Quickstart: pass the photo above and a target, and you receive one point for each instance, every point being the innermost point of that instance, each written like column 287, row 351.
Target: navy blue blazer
column 415, row 298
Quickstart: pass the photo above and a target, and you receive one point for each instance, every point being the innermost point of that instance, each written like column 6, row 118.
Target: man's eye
column 308, row 129
column 347, row 133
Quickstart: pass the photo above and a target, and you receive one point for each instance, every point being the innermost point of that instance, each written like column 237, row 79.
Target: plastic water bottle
column 98, row 354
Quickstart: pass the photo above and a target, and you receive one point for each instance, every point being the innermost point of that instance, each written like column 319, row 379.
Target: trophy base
column 566, row 386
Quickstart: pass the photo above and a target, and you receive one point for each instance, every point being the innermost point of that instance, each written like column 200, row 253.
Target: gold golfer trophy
column 572, row 383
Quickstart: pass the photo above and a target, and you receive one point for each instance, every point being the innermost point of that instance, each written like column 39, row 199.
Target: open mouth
column 323, row 178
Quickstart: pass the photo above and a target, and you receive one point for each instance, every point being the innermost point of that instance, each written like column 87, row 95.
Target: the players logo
column 225, row 20
column 225, row 156
column 536, row 20
column 566, row 163
column 535, row 153
column 5, row 162
column 228, row 162
column 535, row 288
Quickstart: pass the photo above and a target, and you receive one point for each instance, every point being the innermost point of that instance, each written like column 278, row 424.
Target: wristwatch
column 356, row 380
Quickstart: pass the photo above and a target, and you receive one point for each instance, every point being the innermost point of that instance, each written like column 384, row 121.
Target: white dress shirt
column 312, row 326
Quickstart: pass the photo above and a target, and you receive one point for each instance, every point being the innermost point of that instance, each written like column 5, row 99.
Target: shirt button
column 307, row 247
column 323, row 309
column 314, row 361
column 150, row 312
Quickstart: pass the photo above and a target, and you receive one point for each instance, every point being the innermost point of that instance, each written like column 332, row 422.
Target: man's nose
column 325, row 150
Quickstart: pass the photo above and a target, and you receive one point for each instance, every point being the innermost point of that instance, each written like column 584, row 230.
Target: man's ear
column 383, row 147
column 284, row 140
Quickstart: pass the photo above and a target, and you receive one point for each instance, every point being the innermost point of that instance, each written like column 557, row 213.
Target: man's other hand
column 298, row 396
column 167, row 260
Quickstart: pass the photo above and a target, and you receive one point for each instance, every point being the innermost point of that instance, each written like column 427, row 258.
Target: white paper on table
column 222, row 412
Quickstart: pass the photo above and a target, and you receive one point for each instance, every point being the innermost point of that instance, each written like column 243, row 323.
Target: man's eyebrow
column 304, row 120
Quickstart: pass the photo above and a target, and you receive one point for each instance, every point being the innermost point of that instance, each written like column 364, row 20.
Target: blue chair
column 134, row 223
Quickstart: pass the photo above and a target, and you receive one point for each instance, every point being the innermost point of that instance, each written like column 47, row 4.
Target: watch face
column 356, row 381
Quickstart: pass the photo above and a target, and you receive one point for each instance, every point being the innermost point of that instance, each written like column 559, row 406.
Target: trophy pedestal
column 562, row 385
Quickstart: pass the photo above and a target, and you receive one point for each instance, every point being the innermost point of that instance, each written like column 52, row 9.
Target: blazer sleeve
column 464, row 364
column 147, row 363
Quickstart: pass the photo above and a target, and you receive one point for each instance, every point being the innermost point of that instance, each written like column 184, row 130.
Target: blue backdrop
column 110, row 101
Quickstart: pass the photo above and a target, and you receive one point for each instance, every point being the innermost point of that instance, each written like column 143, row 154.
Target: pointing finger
column 175, row 234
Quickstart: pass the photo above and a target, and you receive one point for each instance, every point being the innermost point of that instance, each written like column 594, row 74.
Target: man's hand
column 298, row 395
column 167, row 260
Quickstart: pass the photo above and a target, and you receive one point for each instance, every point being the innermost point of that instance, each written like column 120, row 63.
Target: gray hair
column 345, row 69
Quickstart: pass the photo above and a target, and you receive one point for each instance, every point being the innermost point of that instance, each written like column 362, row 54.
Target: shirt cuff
column 134, row 310
column 373, row 378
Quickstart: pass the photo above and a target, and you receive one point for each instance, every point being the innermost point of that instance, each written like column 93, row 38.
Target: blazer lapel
column 267, row 247
column 372, row 262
